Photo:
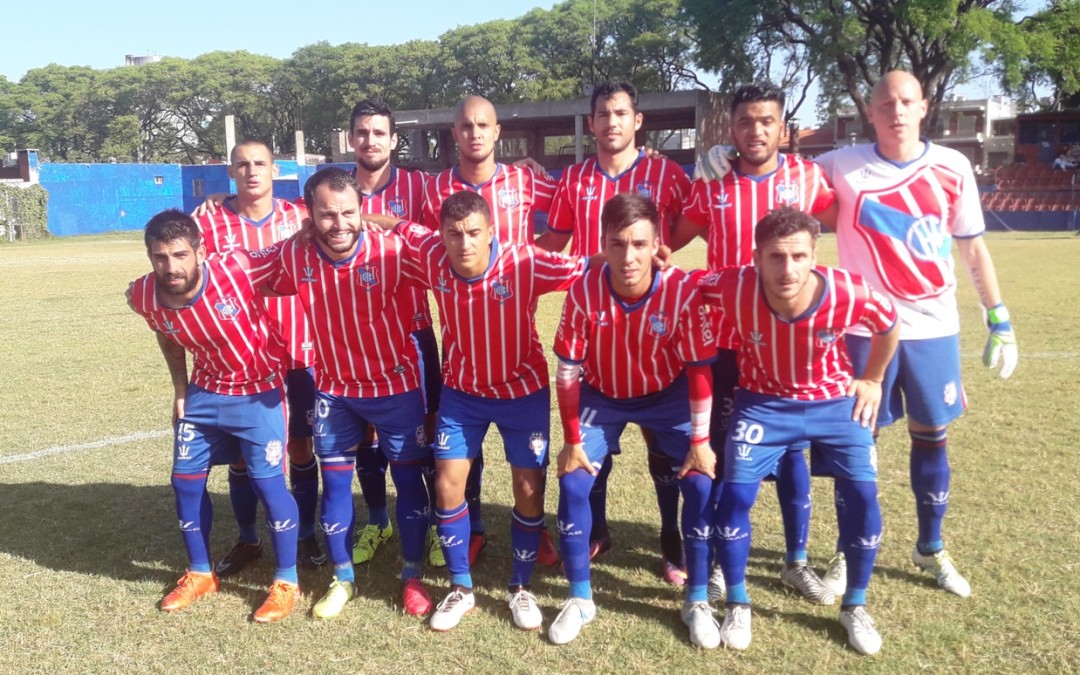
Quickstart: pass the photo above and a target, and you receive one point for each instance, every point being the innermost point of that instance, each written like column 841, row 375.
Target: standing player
column 494, row 371
column 389, row 190
column 352, row 286
column 233, row 404
column 513, row 193
column 643, row 340
column 583, row 190
column 903, row 201
column 252, row 220
column 796, row 386
column 724, row 212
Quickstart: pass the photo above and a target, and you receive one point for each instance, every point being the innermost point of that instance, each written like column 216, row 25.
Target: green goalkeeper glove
column 1001, row 343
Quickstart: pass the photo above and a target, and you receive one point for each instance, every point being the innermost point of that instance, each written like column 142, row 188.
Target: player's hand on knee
column 867, row 394
column 1001, row 342
column 572, row 457
column 210, row 206
column 701, row 458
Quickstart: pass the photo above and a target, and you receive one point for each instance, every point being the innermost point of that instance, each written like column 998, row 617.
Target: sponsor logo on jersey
column 309, row 275
column 864, row 174
column 723, row 201
column 501, row 290
column 396, row 208
column 590, row 194
column 170, row 328
column 787, row 193
column 508, row 198
column 537, row 443
column 600, row 319
column 230, row 243
column 228, row 309
column 659, row 324
column 645, row 189
column 756, row 338
column 826, row 337
column 367, row 276
column 273, row 452
column 440, row 284
column 950, row 393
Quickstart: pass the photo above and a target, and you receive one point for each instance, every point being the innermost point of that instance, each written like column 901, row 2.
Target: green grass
column 88, row 540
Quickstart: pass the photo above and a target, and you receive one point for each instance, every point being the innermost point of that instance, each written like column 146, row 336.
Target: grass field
column 88, row 539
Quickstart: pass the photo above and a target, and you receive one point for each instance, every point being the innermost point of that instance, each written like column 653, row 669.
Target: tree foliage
column 1049, row 59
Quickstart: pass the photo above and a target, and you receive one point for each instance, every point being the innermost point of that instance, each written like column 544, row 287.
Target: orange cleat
column 415, row 598
column 279, row 603
column 191, row 587
column 546, row 555
column 477, row 542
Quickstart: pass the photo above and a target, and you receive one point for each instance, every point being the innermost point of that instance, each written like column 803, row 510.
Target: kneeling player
column 796, row 386
column 643, row 340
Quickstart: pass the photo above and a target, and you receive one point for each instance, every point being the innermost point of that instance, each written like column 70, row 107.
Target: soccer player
column 903, row 203
column 583, row 190
column 513, row 193
column 353, row 287
column 494, row 372
column 233, row 405
column 389, row 190
column 724, row 212
column 796, row 386
column 252, row 220
column 644, row 342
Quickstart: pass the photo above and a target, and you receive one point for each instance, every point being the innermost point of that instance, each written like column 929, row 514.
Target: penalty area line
column 78, row 447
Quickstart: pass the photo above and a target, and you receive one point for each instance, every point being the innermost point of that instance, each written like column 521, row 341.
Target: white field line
column 93, row 445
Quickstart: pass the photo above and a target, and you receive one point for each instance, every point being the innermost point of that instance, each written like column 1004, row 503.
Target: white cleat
column 836, row 575
column 735, row 631
column 704, row 629
column 940, row 564
column 449, row 612
column 575, row 613
column 862, row 636
column 524, row 610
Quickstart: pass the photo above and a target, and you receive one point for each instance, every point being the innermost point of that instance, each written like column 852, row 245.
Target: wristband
column 998, row 314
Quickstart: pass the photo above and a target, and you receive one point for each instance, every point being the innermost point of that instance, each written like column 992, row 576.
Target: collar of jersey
column 631, row 306
column 477, row 187
column 491, row 263
column 596, row 166
column 195, row 298
column 254, row 223
column 780, row 159
column 341, row 263
column 809, row 310
column 904, row 165
column 393, row 177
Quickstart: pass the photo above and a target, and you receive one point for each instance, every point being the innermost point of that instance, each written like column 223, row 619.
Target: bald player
column 903, row 204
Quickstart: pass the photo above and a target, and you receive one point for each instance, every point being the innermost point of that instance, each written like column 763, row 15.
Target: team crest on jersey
column 508, row 198
column 645, row 189
column 756, row 338
column 950, row 393
column 537, row 443
column 170, row 328
column 368, row 277
column 230, row 243
column 273, row 452
column 228, row 309
column 723, row 201
column 826, row 337
column 440, row 284
column 659, row 324
column 396, row 208
column 309, row 275
column 590, row 194
column 788, row 193
column 501, row 290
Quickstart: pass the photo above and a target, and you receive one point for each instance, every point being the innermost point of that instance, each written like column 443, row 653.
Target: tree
column 1051, row 59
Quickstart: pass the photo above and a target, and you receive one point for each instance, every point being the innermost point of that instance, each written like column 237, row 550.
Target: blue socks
column 525, row 540
column 473, row 485
column 244, row 503
column 696, row 521
column 196, row 514
column 337, row 510
column 412, row 509
column 305, row 490
column 793, row 493
column 930, row 482
column 371, row 466
column 859, row 519
column 733, row 523
column 281, row 517
column 453, row 528
column 575, row 524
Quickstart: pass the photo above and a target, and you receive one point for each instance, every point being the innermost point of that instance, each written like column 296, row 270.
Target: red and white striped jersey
column 489, row 340
column 584, row 188
column 732, row 206
column 227, row 231
column 513, row 194
column 629, row 350
column 224, row 327
column 402, row 197
column 361, row 312
column 804, row 359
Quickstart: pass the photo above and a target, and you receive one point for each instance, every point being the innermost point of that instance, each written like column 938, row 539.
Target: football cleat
column 704, row 629
column 190, row 587
column 240, row 556
column 836, row 575
column 334, row 600
column 735, row 631
column 546, row 555
column 415, row 598
column 435, row 554
column 862, row 635
column 599, row 546
column 673, row 574
column 279, row 602
column 457, row 604
column 309, row 554
column 575, row 613
column 523, row 609
column 369, row 541
column 477, row 542
column 717, row 586
column 940, row 564
column 801, row 578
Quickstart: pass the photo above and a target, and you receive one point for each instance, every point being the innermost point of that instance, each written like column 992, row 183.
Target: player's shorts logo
column 537, row 444
column 183, row 452
column 508, row 198
column 273, row 452
column 170, row 328
column 396, row 207
column 950, row 393
column 228, row 309
column 723, row 201
column 788, row 193
column 659, row 324
column 826, row 337
column 368, row 277
column 645, row 189
column 501, row 290
column 742, row 452
column 442, row 442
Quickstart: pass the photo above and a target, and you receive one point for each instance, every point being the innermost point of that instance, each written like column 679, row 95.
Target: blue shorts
column 430, row 367
column 524, row 424
column 342, row 422
column 763, row 428
column 923, row 378
column 666, row 414
column 222, row 429
column 300, row 393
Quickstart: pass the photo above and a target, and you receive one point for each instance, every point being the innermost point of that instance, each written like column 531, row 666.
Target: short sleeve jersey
column 402, row 197
column 224, row 327
column 805, row 358
column 489, row 339
column 227, row 231
column 361, row 312
column 732, row 206
column 634, row 349
column 896, row 224
column 584, row 188
column 513, row 194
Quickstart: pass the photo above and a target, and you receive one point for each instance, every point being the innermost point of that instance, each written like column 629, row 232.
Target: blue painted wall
column 95, row 198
